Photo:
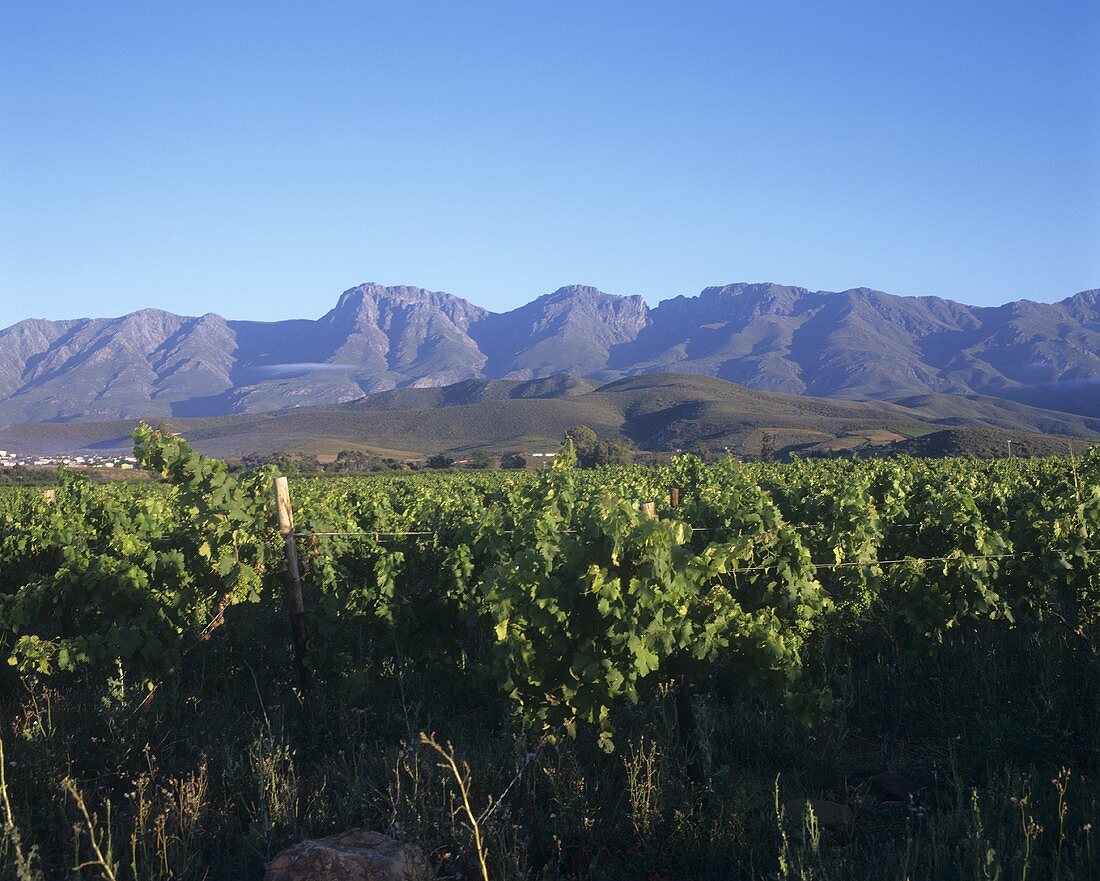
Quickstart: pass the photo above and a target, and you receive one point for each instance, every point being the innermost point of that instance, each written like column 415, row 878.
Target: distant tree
column 352, row 460
column 440, row 460
column 593, row 452
column 611, row 452
column 767, row 446
column 21, row 474
column 514, row 461
column 584, row 439
column 254, row 460
column 701, row 450
column 482, row 459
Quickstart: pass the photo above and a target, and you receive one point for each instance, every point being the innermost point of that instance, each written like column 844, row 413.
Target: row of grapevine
column 553, row 584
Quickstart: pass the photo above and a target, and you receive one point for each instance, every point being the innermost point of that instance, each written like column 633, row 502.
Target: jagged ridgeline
column 858, row 343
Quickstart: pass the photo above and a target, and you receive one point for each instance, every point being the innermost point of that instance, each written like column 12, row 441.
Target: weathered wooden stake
column 649, row 509
column 674, row 497
column 294, row 590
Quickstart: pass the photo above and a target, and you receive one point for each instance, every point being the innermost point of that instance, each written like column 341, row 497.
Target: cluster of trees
column 481, row 460
column 593, row 452
column 357, row 462
column 22, row 475
column 346, row 462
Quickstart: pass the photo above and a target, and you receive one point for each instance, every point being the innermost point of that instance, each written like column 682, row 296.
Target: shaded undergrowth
column 992, row 732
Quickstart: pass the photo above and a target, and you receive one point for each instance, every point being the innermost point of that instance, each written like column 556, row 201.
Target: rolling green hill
column 664, row 411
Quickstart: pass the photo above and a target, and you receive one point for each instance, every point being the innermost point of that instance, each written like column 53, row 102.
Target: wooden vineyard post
column 649, row 509
column 294, row 590
column 674, row 497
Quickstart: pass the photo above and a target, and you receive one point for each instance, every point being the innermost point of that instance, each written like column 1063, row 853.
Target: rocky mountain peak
column 582, row 293
column 365, row 302
column 1084, row 306
column 855, row 343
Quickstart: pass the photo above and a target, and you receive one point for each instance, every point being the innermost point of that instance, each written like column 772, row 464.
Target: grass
column 995, row 728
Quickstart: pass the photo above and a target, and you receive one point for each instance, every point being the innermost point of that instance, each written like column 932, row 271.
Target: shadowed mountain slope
column 854, row 344
column 664, row 411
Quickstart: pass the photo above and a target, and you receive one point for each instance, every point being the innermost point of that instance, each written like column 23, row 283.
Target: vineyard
column 643, row 672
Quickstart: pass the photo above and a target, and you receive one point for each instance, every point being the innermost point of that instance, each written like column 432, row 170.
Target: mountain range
column 854, row 344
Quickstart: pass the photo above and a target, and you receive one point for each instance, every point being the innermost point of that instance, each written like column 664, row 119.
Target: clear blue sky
column 258, row 159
